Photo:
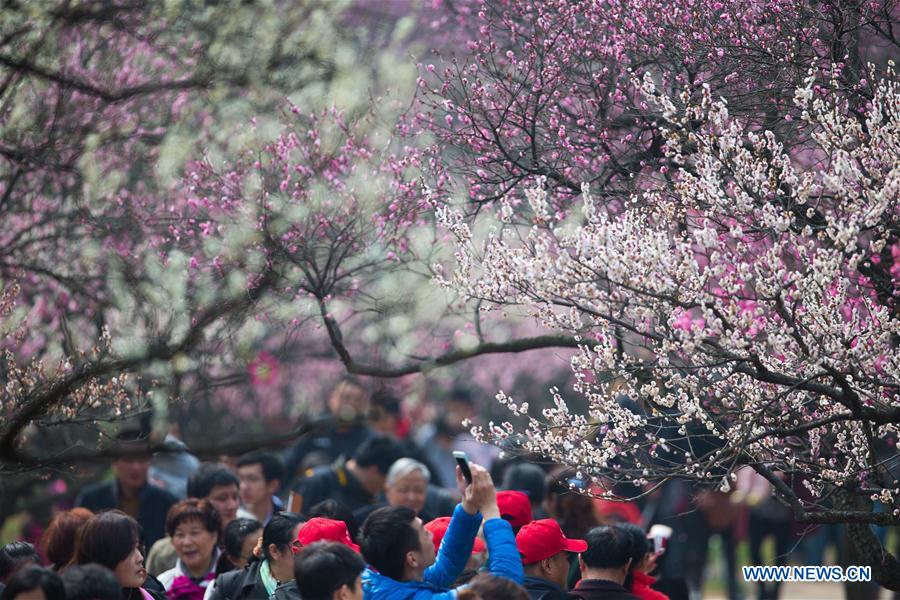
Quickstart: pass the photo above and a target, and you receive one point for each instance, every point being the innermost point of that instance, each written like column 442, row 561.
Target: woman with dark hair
column 195, row 528
column 271, row 573
column 240, row 537
column 13, row 557
column 34, row 583
column 112, row 539
column 643, row 561
column 58, row 540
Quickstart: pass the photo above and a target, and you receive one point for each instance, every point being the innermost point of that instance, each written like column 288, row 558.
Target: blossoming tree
column 167, row 212
column 229, row 257
column 733, row 301
column 544, row 88
column 102, row 106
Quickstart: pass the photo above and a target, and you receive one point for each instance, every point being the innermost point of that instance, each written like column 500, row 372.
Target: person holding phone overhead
column 401, row 556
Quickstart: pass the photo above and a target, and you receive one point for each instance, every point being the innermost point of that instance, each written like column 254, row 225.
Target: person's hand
column 480, row 494
column 648, row 565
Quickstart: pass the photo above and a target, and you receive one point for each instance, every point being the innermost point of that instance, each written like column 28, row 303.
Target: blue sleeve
column 431, row 595
column 455, row 550
column 504, row 558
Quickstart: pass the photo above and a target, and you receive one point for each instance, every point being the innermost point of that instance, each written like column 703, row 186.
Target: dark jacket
column 154, row 505
column 438, row 501
column 247, row 585
column 332, row 442
column 600, row 589
column 539, row 588
column 332, row 482
column 151, row 585
column 156, row 589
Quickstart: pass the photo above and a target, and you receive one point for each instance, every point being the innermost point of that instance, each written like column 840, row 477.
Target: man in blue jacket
column 401, row 557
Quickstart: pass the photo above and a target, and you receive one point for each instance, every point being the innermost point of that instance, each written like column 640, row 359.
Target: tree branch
column 210, row 450
column 42, row 398
column 514, row 346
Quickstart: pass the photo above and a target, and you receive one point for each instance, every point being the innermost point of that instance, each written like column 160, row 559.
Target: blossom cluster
column 26, row 379
column 547, row 88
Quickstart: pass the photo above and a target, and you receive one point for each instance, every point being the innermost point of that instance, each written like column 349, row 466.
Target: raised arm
column 456, row 547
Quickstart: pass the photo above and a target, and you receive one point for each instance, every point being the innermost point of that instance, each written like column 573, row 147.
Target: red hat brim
column 574, row 545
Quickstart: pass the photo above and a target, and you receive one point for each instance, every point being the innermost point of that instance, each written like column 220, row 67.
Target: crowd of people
column 368, row 507
column 488, row 548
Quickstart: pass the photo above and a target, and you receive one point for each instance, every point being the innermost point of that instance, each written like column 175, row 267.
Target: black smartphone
column 463, row 461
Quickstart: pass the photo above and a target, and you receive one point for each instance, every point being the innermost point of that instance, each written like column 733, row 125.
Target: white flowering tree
column 747, row 304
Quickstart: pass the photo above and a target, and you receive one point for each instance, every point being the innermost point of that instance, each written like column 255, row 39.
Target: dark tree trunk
column 864, row 547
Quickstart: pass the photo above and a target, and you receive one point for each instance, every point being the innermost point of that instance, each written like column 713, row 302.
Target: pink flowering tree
column 97, row 100
column 731, row 302
column 545, row 88
column 162, row 218
column 352, row 234
column 103, row 106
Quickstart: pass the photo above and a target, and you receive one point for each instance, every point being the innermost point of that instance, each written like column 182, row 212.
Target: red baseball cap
column 438, row 529
column 320, row 529
column 515, row 507
column 542, row 539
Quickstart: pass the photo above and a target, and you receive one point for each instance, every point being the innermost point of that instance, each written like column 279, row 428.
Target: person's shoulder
column 588, row 589
column 163, row 544
column 158, row 493
column 287, row 591
column 361, row 513
column 97, row 495
column 362, row 431
column 379, row 587
column 168, row 576
column 324, row 475
column 152, row 584
column 106, row 485
column 161, row 556
column 228, row 584
column 425, row 435
column 153, row 594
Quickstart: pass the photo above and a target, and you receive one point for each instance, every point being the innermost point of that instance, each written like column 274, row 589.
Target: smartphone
column 658, row 542
column 463, row 461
